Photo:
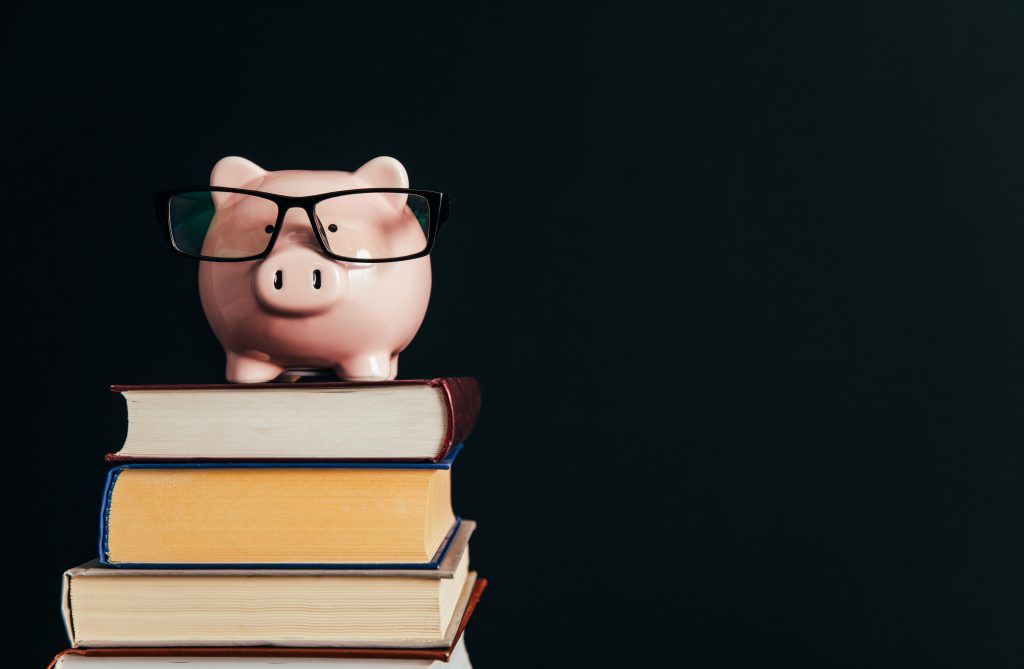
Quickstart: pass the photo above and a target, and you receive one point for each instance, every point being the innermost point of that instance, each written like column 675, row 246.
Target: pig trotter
column 371, row 367
column 241, row 369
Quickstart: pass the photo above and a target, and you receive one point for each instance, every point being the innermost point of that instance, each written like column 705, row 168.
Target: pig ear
column 386, row 172
column 233, row 172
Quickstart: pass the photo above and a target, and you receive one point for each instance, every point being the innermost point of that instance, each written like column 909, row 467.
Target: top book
column 408, row 420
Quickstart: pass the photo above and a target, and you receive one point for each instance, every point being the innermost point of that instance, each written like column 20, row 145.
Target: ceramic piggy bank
column 295, row 281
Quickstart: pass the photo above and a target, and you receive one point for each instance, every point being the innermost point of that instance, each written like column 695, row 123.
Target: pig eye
column 332, row 227
column 269, row 229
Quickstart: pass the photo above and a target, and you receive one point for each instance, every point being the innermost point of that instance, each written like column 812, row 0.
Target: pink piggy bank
column 310, row 270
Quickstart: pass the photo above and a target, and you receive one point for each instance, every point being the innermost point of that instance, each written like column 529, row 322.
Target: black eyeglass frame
column 438, row 205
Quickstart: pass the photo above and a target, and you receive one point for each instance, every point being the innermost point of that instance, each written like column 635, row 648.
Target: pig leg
column 241, row 369
column 371, row 367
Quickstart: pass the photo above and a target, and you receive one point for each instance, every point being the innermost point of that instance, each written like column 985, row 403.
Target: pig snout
column 298, row 282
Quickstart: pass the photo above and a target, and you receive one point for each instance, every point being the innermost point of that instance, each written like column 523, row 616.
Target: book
column 168, row 658
column 106, row 607
column 273, row 515
column 389, row 420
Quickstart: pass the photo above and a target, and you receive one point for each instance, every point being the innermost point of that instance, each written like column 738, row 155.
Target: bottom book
column 370, row 658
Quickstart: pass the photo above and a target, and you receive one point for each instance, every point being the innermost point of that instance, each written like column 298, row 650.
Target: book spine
column 65, row 610
column 108, row 491
column 462, row 396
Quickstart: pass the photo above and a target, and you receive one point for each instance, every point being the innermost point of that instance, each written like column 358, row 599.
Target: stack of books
column 283, row 524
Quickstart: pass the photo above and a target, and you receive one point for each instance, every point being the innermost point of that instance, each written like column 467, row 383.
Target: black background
column 742, row 284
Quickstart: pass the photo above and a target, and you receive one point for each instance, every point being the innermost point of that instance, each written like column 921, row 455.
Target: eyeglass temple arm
column 445, row 212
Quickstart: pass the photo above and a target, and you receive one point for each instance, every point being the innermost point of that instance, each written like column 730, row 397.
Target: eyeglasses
column 365, row 225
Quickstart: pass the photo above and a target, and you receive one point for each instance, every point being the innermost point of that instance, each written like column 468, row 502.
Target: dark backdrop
column 742, row 285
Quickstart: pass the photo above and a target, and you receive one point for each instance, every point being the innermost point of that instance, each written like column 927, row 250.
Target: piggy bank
column 297, row 308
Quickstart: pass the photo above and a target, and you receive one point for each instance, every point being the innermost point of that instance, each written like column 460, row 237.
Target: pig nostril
column 278, row 279
column 316, row 279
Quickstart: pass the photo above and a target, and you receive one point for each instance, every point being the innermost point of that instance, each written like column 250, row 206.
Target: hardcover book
column 276, row 515
column 413, row 420
column 415, row 608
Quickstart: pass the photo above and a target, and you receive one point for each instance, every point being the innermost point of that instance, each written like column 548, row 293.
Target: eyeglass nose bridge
column 314, row 239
